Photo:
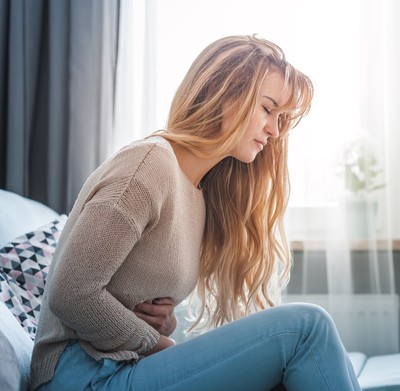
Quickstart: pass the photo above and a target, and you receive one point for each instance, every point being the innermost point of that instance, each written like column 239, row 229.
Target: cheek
column 254, row 128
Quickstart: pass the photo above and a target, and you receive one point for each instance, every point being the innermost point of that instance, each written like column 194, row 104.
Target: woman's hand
column 159, row 314
column 163, row 343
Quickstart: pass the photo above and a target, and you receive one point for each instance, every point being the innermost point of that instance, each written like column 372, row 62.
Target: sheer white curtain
column 137, row 61
column 342, row 191
column 343, row 219
column 351, row 51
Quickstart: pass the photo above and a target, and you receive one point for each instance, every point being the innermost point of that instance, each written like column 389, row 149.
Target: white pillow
column 15, row 352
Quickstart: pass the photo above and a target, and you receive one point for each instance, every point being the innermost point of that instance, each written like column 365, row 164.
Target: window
column 325, row 40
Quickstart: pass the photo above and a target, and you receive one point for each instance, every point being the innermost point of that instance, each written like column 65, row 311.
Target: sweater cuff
column 149, row 341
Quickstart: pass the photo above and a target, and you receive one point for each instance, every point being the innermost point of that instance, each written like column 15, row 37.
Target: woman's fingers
column 159, row 314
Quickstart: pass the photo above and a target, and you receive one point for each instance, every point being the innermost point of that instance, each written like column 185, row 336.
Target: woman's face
column 264, row 122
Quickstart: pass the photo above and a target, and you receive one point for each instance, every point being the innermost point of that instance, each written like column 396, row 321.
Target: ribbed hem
column 43, row 371
column 149, row 341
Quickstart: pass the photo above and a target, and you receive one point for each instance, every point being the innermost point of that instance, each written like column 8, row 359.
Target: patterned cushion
column 27, row 258
column 23, row 304
column 24, row 265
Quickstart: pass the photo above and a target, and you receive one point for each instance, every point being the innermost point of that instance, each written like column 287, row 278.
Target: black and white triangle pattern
column 24, row 265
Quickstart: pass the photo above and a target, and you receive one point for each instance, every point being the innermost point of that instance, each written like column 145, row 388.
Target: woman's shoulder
column 150, row 150
column 150, row 161
column 153, row 154
column 139, row 171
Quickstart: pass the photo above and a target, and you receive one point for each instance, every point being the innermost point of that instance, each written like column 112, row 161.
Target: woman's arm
column 98, row 244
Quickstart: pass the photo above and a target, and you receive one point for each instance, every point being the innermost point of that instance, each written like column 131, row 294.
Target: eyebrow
column 272, row 100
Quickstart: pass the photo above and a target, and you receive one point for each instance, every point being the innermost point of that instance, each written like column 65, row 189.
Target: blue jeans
column 293, row 344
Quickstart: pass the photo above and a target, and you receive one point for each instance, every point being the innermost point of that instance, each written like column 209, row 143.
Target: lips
column 263, row 143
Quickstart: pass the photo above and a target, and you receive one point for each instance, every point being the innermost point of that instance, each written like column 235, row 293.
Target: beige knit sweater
column 133, row 235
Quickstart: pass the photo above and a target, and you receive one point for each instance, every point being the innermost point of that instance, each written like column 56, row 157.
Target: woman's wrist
column 163, row 343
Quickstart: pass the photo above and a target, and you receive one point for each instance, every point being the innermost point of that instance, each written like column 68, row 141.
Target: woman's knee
column 308, row 316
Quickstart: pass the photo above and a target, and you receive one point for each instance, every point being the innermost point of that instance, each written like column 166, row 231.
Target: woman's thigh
column 295, row 344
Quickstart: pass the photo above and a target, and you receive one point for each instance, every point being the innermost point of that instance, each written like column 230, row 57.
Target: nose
column 272, row 127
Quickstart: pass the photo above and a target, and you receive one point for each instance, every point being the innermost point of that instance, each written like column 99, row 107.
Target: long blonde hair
column 245, row 258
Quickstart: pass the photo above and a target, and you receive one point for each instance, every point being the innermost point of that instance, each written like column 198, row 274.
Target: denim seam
column 316, row 362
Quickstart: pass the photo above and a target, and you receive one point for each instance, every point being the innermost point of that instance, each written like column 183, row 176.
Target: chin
column 247, row 159
column 246, row 156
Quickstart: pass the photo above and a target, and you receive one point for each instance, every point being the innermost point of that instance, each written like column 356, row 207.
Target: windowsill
column 355, row 245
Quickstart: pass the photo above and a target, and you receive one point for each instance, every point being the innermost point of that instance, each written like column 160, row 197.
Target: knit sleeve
column 97, row 245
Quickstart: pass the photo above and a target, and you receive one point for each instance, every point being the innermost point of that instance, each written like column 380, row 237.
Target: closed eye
column 268, row 111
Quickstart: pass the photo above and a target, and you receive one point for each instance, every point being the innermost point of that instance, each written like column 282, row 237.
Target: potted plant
column 363, row 172
column 363, row 177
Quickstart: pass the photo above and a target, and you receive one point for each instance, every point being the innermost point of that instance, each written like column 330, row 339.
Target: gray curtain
column 57, row 80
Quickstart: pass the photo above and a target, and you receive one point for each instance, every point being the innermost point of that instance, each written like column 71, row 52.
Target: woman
column 200, row 203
